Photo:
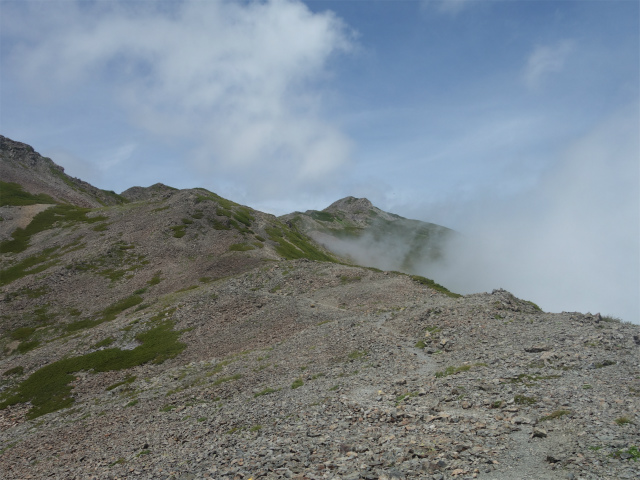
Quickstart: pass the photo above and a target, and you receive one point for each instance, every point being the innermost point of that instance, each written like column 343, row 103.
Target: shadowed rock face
column 182, row 335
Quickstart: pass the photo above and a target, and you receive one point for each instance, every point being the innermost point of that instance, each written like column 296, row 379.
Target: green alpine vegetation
column 12, row 194
column 292, row 245
column 60, row 215
column 106, row 315
column 48, row 389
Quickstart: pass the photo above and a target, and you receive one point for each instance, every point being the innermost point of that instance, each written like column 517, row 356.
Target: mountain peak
column 157, row 190
column 350, row 205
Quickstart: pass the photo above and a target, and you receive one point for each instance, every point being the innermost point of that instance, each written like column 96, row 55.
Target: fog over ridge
column 570, row 243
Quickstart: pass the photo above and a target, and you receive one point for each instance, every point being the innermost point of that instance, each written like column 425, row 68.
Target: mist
column 404, row 245
column 571, row 243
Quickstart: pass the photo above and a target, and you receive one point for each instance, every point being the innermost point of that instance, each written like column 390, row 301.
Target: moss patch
column 126, row 381
column 19, row 370
column 266, row 391
column 60, row 215
column 157, row 278
column 179, row 231
column 241, row 247
column 13, row 194
column 108, row 314
column 22, row 333
column 243, row 215
column 622, row 421
column 291, row 245
column 323, row 216
column 344, row 279
column 631, row 453
column 434, row 286
column 48, row 388
column 523, row 400
column 115, row 264
column 104, row 343
column 554, row 415
column 222, row 380
column 25, row 347
column 356, row 354
column 30, row 265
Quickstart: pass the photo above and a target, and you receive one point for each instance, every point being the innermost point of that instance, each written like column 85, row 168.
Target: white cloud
column 449, row 7
column 544, row 61
column 241, row 82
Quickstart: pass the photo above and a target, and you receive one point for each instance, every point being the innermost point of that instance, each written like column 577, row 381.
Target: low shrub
column 241, row 247
column 19, row 370
column 266, row 391
column 555, row 415
column 522, row 400
column 14, row 195
column 622, row 421
column 434, row 286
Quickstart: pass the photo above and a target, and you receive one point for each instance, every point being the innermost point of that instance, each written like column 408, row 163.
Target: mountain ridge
column 21, row 164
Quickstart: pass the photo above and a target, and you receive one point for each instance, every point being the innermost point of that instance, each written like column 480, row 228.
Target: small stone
column 547, row 356
column 538, row 433
column 537, row 348
column 522, row 420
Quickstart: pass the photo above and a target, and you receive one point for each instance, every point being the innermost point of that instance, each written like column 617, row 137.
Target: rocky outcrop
column 21, row 164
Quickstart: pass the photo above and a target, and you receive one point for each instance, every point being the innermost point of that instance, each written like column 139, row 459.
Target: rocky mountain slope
column 178, row 335
column 355, row 229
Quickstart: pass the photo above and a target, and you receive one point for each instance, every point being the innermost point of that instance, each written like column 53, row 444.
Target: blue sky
column 515, row 122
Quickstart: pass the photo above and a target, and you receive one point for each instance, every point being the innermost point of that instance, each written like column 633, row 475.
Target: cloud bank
column 239, row 84
column 571, row 240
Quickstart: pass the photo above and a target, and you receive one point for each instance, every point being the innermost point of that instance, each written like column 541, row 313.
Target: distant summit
column 352, row 227
column 156, row 191
column 350, row 204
